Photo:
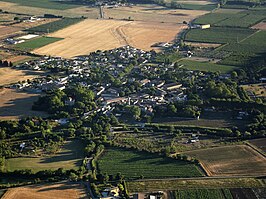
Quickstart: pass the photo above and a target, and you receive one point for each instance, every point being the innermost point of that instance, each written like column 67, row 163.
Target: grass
column 206, row 66
column 155, row 185
column 48, row 4
column 218, row 35
column 203, row 194
column 189, row 6
column 133, row 164
column 70, row 157
column 55, row 26
column 36, row 43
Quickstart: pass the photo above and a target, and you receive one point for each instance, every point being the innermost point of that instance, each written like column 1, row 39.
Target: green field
column 56, row 25
column 70, row 157
column 203, row 194
column 155, row 185
column 206, row 66
column 254, row 44
column 133, row 164
column 218, row 35
column 241, row 19
column 189, row 6
column 48, row 4
column 36, row 43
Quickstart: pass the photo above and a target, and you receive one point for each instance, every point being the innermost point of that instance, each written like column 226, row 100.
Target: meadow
column 203, row 194
column 36, row 43
column 133, row 164
column 55, row 26
column 231, row 161
column 48, row 4
column 205, row 66
column 69, row 157
column 218, row 35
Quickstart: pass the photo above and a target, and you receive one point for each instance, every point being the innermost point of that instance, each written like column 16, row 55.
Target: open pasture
column 69, row 157
column 91, row 35
column 60, row 190
column 238, row 160
column 15, row 105
column 133, row 164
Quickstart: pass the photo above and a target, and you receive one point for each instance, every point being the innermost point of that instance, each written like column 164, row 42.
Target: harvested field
column 238, row 160
column 51, row 191
column 7, row 30
column 256, row 89
column 153, row 13
column 27, row 24
column 19, row 58
column 260, row 26
column 91, row 35
column 259, row 143
column 15, row 105
column 10, row 75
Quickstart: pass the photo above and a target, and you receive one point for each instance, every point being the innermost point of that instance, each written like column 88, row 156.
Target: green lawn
column 70, row 157
column 36, row 43
column 205, row 66
column 133, row 164
column 48, row 4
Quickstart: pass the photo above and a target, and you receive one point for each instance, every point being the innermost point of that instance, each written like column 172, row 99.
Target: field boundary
column 255, row 148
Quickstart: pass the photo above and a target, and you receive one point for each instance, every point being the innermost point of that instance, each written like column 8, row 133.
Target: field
column 8, row 30
column 55, row 25
column 260, row 26
column 74, row 12
column 15, row 105
column 60, row 190
column 133, row 164
column 258, row 90
column 49, row 4
column 259, row 143
column 175, row 184
column 218, row 35
column 203, row 194
column 238, row 160
column 91, row 35
column 153, row 13
column 250, row 45
column 205, row 66
column 69, row 157
column 242, row 19
column 36, row 43
column 10, row 75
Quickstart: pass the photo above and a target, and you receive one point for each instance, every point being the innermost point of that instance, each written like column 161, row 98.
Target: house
column 205, row 26
column 172, row 86
column 138, row 196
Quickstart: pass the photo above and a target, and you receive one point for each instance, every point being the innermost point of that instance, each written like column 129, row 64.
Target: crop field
column 205, row 66
column 55, row 26
column 133, row 164
column 260, row 26
column 49, row 4
column 73, row 12
column 91, row 35
column 203, row 194
column 36, row 43
column 153, row 13
column 259, row 143
column 69, row 157
column 238, row 160
column 60, row 190
column 8, row 30
column 250, row 45
column 175, row 184
column 218, row 35
column 15, row 105
column 242, row 19
column 257, row 89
